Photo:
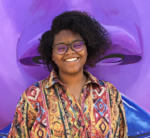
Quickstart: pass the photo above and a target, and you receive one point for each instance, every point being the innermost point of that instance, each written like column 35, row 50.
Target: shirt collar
column 91, row 78
column 53, row 78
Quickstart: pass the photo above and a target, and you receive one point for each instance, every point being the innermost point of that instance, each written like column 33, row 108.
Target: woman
column 70, row 102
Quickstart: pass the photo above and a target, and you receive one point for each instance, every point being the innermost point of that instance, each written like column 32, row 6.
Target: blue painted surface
column 4, row 132
column 138, row 121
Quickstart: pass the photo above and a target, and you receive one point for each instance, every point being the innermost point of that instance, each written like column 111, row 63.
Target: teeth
column 71, row 59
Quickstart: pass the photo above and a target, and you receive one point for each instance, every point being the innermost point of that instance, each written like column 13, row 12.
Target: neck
column 72, row 80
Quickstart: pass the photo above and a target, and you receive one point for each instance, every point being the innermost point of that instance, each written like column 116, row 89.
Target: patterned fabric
column 47, row 109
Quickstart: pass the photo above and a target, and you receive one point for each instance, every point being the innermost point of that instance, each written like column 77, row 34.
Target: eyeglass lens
column 77, row 46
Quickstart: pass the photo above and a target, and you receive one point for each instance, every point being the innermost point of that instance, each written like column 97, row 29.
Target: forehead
column 66, row 36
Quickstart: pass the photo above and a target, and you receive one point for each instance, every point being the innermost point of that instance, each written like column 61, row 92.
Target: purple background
column 126, row 64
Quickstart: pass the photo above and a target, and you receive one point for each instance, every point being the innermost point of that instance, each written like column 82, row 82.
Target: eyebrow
column 70, row 43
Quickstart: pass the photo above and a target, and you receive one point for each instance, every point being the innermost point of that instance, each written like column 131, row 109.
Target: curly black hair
column 97, row 39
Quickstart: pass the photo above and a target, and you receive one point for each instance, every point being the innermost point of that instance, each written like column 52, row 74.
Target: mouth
column 71, row 59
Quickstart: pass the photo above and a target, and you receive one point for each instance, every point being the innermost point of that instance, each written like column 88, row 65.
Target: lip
column 69, row 57
column 72, row 61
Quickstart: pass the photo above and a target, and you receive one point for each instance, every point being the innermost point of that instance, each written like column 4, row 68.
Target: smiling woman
column 74, row 57
column 71, row 102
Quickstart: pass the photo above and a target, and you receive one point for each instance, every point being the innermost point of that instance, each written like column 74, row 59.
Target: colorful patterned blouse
column 48, row 110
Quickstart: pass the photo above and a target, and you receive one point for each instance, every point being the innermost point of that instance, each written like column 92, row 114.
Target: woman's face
column 62, row 61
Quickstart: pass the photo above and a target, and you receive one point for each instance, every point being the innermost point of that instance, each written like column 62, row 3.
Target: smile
column 71, row 59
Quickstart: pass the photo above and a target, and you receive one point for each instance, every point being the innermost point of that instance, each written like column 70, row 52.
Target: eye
column 61, row 48
column 77, row 44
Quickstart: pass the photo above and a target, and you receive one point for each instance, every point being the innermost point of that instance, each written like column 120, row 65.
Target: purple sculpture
column 126, row 64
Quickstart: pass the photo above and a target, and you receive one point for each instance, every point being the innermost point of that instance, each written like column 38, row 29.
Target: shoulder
column 30, row 98
column 110, row 87
column 33, row 94
column 33, row 91
column 107, row 85
column 113, row 92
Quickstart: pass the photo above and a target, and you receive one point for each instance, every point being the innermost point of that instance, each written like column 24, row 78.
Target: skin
column 70, row 73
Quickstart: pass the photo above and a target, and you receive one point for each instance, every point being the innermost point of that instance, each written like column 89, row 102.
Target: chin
column 72, row 70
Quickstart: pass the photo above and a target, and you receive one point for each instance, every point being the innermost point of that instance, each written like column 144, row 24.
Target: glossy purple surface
column 126, row 64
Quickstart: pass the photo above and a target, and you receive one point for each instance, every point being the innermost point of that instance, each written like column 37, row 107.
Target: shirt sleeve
column 24, row 118
column 118, row 117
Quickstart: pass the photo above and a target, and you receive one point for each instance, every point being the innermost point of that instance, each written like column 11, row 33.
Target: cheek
column 85, row 53
column 84, row 57
column 56, row 58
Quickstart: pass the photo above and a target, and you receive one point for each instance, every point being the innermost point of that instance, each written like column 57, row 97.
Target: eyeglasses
column 62, row 48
